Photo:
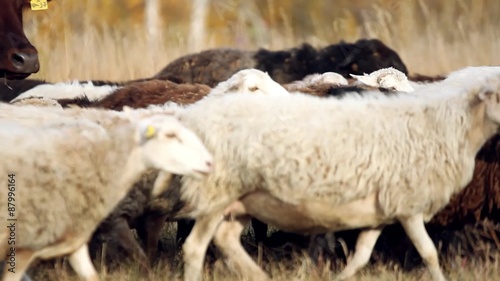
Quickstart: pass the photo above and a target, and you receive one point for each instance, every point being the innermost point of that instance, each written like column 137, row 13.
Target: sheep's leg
column 364, row 248
column 196, row 244
column 259, row 230
column 415, row 229
column 126, row 239
column 24, row 278
column 23, row 260
column 81, row 263
column 141, row 229
column 184, row 227
column 152, row 228
column 227, row 239
column 317, row 243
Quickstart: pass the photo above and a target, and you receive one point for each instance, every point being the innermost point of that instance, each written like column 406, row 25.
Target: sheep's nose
column 25, row 62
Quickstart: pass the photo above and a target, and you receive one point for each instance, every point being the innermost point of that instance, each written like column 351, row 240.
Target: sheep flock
column 332, row 149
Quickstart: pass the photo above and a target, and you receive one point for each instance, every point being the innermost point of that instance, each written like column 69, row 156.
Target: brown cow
column 18, row 58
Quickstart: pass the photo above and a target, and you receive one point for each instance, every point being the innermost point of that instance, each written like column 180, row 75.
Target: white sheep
column 76, row 173
column 142, row 93
column 35, row 115
column 387, row 78
column 251, row 81
column 326, row 78
column 137, row 202
column 68, row 90
column 333, row 84
column 310, row 165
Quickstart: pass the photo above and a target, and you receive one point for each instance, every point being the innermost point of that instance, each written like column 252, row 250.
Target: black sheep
column 285, row 66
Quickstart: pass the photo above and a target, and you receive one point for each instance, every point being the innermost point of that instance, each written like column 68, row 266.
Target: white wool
column 69, row 90
column 326, row 78
column 83, row 170
column 351, row 145
column 387, row 78
column 333, row 164
column 252, row 81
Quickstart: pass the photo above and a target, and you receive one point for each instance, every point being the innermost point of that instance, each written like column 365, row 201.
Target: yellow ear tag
column 37, row 5
column 150, row 132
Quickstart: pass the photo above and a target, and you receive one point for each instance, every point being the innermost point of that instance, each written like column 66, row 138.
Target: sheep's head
column 251, row 81
column 169, row 146
column 387, row 78
column 326, row 78
column 363, row 56
column 490, row 95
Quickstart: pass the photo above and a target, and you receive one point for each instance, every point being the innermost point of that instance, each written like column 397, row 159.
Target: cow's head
column 18, row 58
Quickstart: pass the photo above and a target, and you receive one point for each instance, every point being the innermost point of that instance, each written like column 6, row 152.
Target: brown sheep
column 481, row 198
column 12, row 89
column 143, row 94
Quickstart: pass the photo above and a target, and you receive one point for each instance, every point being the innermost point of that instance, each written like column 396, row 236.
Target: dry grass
column 430, row 39
column 296, row 268
column 293, row 263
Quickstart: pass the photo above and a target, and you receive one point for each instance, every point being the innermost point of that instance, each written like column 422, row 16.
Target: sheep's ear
column 484, row 95
column 149, row 132
column 233, row 85
column 145, row 132
column 366, row 79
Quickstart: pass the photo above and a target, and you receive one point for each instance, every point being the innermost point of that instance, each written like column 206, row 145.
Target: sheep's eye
column 173, row 136
column 253, row 89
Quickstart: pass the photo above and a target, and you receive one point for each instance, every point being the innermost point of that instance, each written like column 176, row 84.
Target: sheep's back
column 208, row 67
column 56, row 181
column 307, row 147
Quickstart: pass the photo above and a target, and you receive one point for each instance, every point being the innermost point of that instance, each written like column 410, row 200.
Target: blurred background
column 128, row 39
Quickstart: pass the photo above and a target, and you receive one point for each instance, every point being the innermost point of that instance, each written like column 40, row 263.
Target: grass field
column 429, row 40
column 481, row 261
column 297, row 267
